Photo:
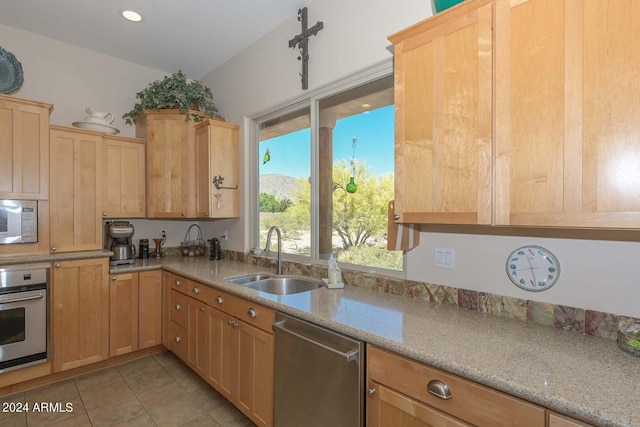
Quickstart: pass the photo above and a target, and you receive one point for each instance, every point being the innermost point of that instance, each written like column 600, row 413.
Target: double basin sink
column 277, row 285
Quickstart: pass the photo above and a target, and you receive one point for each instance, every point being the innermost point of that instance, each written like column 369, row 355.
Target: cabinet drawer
column 255, row 314
column 179, row 283
column 179, row 343
column 471, row 402
column 178, row 308
column 219, row 300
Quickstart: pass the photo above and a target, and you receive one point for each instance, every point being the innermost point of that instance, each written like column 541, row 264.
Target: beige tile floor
column 158, row 390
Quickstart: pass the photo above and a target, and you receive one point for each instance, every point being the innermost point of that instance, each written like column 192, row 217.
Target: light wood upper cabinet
column 79, row 313
column 558, row 86
column 170, row 163
column 566, row 113
column 123, row 180
column 217, row 156
column 76, row 190
column 24, row 144
column 443, row 137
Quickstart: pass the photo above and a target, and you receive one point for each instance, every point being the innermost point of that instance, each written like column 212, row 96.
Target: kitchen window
column 325, row 174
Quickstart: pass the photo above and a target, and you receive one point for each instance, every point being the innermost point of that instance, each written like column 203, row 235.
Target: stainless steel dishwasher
column 319, row 376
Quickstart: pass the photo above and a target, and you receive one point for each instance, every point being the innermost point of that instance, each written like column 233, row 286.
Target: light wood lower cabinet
column 556, row 420
column 255, row 374
column 149, row 309
column 135, row 311
column 405, row 395
column 79, row 313
column 123, row 313
column 228, row 341
column 387, row 407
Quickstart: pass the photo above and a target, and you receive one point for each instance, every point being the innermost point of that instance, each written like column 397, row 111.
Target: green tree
column 356, row 216
column 269, row 203
column 361, row 215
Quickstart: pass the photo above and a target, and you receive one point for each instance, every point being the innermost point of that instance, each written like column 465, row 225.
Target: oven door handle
column 9, row 301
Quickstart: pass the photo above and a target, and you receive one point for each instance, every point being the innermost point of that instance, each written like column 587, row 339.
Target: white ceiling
column 193, row 35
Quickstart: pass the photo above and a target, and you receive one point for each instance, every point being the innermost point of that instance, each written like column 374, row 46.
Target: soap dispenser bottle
column 335, row 274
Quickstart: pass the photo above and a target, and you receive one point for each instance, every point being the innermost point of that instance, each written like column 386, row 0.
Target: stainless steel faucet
column 267, row 248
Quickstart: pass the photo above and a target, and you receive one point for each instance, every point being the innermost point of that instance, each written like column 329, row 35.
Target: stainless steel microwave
column 18, row 221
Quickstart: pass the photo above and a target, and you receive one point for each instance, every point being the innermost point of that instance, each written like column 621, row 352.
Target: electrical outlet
column 445, row 258
column 225, row 236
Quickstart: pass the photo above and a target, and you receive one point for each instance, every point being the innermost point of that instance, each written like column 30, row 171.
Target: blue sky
column 290, row 153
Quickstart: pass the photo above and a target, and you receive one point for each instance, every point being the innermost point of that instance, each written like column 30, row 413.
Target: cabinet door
column 123, row 177
column 170, row 163
column 217, row 156
column 556, row 420
column 79, row 313
column 24, row 144
column 166, row 308
column 443, row 134
column 123, row 313
column 223, row 345
column 567, row 97
column 255, row 374
column 149, row 309
column 198, row 330
column 386, row 407
column 76, row 190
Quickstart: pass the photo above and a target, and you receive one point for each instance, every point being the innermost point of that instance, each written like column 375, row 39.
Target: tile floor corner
column 157, row 390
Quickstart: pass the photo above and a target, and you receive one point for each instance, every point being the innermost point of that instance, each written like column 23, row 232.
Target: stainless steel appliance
column 23, row 316
column 118, row 240
column 319, row 376
column 18, row 221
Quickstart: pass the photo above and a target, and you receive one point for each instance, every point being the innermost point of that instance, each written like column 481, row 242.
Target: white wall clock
column 533, row 268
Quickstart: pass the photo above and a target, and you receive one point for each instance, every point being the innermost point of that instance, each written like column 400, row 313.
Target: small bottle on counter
column 335, row 274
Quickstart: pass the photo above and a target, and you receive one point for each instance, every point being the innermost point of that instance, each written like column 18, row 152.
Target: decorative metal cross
column 301, row 41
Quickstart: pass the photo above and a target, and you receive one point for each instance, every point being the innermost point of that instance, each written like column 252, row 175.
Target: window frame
column 309, row 100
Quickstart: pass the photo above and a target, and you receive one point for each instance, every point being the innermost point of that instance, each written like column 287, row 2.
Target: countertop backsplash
column 540, row 313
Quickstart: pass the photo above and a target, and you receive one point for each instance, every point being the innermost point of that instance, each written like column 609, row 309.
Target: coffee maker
column 118, row 240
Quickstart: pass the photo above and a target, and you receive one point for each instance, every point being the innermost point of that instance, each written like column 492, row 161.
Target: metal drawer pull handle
column 203, row 308
column 178, row 307
column 439, row 389
column 219, row 300
column 9, row 301
column 178, row 339
column 371, row 392
column 196, row 290
column 351, row 355
column 177, row 282
column 252, row 313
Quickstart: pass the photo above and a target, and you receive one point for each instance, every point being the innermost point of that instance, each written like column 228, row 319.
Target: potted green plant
column 175, row 92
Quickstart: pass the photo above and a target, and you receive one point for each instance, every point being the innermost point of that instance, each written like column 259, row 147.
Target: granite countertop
column 582, row 376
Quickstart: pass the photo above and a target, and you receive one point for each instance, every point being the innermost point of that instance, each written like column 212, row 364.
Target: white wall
column 265, row 75
column 73, row 78
column 597, row 275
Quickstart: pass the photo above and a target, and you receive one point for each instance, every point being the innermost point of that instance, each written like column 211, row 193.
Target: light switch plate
column 445, row 258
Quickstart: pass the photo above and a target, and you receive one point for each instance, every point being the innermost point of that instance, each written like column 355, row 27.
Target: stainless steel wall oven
column 23, row 315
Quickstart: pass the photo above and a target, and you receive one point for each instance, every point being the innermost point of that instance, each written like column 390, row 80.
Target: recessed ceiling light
column 132, row 16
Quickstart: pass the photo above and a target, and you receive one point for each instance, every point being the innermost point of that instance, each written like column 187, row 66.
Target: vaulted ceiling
column 193, row 35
